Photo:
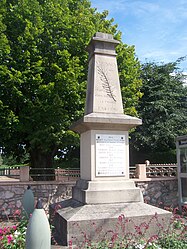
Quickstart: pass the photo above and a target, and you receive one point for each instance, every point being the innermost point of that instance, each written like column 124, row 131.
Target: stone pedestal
column 76, row 222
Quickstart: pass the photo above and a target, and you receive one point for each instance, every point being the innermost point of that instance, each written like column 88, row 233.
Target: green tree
column 43, row 74
column 129, row 73
column 163, row 109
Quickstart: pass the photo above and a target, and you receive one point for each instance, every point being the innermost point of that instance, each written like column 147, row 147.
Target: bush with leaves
column 13, row 237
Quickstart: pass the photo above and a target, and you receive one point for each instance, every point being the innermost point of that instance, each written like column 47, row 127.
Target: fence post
column 141, row 171
column 57, row 172
column 24, row 173
column 38, row 234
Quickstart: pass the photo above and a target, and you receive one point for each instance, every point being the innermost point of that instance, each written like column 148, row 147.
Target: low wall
column 158, row 192
column 11, row 194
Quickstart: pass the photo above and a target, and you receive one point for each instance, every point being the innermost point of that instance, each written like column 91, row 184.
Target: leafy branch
column 105, row 83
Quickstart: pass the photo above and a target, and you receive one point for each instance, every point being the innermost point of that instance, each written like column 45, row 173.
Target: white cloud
column 184, row 79
column 119, row 6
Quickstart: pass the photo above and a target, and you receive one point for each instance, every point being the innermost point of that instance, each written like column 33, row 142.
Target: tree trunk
column 42, row 165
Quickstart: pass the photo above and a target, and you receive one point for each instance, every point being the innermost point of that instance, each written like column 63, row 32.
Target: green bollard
column 28, row 201
column 38, row 234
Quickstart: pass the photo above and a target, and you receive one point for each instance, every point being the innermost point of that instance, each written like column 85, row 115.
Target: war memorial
column 104, row 191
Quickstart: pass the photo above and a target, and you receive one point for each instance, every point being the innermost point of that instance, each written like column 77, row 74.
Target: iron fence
column 132, row 171
column 152, row 171
column 12, row 172
column 54, row 174
column 161, row 170
column 68, row 174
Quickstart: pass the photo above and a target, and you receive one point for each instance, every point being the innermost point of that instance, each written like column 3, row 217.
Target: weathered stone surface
column 18, row 204
column 158, row 195
column 102, row 71
column 160, row 192
column 11, row 195
column 8, row 194
column 19, row 190
column 74, row 220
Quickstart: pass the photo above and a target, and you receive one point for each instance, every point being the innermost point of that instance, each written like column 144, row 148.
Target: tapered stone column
column 103, row 89
column 104, row 131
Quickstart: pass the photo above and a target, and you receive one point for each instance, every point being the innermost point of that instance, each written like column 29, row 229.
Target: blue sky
column 157, row 28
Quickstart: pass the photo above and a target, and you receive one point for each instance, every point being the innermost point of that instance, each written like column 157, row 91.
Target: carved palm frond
column 105, row 83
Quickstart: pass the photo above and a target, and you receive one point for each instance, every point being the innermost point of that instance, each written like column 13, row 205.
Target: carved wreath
column 105, row 83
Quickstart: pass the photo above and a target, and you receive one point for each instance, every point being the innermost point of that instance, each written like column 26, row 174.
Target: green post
column 38, row 234
column 28, row 201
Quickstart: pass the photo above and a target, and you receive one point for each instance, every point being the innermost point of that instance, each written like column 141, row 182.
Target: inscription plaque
column 110, row 155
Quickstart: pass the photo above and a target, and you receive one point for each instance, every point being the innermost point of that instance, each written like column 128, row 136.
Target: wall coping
column 155, row 179
column 36, row 183
column 4, row 183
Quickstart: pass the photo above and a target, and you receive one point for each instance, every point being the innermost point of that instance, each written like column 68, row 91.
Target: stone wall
column 11, row 194
column 158, row 192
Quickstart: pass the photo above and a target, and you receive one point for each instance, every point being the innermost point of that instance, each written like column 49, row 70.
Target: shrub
column 13, row 237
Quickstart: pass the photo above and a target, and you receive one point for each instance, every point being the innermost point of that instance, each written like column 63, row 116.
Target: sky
column 157, row 28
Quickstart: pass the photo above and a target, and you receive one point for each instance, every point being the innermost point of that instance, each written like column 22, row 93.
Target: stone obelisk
column 104, row 131
column 104, row 190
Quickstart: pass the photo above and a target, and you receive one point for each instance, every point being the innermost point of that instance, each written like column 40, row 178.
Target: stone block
column 75, row 221
column 8, row 194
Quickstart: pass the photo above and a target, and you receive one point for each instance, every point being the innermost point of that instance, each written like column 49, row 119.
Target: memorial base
column 78, row 223
column 98, row 192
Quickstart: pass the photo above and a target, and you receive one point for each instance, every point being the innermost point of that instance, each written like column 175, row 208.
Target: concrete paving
column 8, row 179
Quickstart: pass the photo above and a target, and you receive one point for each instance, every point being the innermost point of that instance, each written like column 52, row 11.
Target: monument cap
column 102, row 43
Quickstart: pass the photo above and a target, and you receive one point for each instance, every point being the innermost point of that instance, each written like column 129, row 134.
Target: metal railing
column 12, row 172
column 152, row 171
column 132, row 171
column 42, row 173
column 67, row 174
column 161, row 170
column 139, row 171
column 54, row 174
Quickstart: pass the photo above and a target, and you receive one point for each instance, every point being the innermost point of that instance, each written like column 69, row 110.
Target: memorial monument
column 104, row 190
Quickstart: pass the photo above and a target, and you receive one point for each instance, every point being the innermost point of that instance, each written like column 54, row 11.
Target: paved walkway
column 8, row 179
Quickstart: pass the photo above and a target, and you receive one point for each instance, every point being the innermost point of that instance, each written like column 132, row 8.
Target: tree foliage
column 43, row 72
column 163, row 109
column 129, row 73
